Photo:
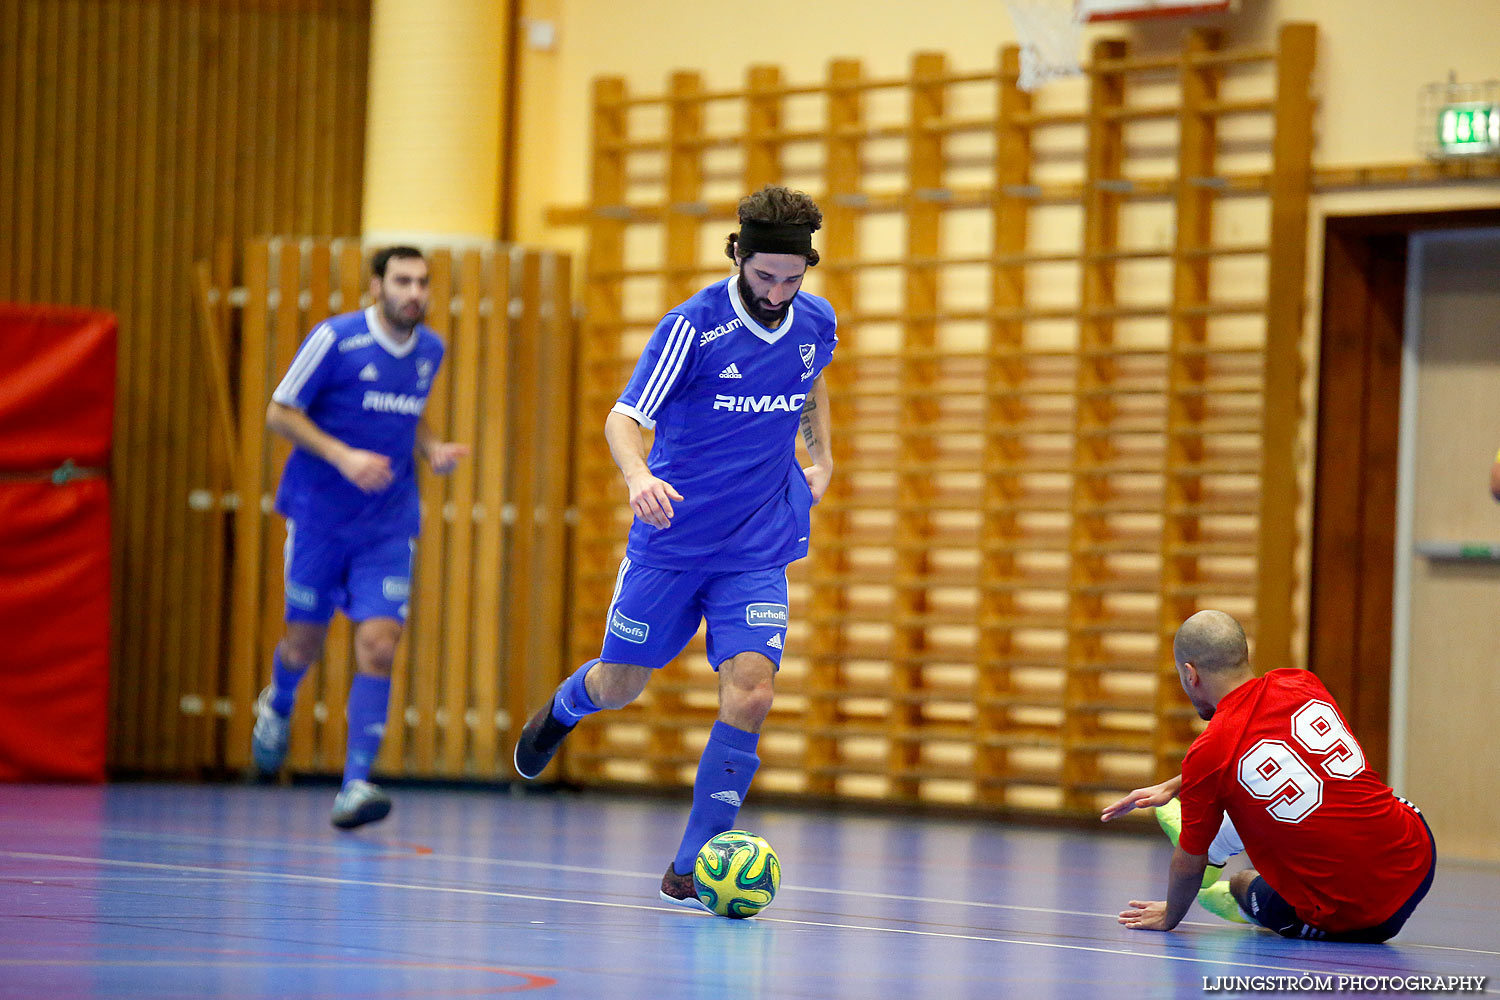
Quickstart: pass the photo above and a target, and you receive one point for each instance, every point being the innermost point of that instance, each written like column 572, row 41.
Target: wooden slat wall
column 1048, row 454
column 141, row 136
column 489, row 586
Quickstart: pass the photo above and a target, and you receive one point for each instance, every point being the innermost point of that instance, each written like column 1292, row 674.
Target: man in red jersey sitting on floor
column 1338, row 856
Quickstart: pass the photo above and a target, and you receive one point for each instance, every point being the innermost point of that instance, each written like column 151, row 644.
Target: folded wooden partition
column 1065, row 406
column 485, row 635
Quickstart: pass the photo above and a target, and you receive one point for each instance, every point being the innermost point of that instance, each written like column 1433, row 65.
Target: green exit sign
column 1468, row 129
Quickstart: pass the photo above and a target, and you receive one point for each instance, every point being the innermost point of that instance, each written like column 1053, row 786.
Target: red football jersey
column 1317, row 823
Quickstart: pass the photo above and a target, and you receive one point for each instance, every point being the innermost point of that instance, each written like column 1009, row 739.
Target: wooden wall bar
column 1114, row 476
column 829, row 567
column 1062, row 395
column 1007, row 686
column 490, row 576
column 1291, row 184
column 141, row 136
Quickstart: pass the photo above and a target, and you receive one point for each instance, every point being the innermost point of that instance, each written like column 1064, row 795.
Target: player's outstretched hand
column 1141, row 798
column 818, row 477
column 1145, row 916
column 369, row 470
column 444, row 455
column 651, row 500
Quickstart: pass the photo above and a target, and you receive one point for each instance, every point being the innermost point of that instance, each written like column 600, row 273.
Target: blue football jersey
column 724, row 395
column 360, row 386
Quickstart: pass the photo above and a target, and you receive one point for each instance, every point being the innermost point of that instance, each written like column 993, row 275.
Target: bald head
column 1213, row 642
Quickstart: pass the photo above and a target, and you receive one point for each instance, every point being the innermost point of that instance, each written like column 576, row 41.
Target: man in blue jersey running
column 721, row 505
column 352, row 404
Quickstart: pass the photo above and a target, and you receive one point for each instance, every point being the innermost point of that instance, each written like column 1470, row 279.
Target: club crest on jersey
column 759, row 404
column 424, row 373
column 808, row 353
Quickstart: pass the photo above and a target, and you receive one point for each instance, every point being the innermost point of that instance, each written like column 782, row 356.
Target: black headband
column 775, row 237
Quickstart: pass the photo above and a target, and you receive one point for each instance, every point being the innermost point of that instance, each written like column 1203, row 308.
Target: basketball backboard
column 1125, row 10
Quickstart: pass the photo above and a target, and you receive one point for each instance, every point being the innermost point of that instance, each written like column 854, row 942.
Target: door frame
column 1356, row 460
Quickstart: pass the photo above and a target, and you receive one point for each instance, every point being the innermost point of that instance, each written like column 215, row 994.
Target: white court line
column 658, row 908
column 1448, row 947
column 283, row 845
column 612, row 872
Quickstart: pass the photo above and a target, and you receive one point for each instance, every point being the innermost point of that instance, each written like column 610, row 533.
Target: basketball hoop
column 1050, row 33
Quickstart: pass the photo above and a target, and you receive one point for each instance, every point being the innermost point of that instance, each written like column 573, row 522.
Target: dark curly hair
column 776, row 204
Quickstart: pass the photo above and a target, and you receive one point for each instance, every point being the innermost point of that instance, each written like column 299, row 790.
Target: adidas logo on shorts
column 775, row 641
column 731, row 372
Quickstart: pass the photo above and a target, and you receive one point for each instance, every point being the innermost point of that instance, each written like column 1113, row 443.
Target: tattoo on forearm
column 809, row 432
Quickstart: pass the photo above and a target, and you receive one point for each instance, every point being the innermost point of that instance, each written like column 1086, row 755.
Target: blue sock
column 368, row 698
column 284, row 681
column 572, row 701
column 724, row 774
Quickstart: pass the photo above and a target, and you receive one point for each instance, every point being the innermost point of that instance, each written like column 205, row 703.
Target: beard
column 403, row 317
column 760, row 310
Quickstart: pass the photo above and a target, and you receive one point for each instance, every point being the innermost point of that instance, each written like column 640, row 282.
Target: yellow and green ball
column 737, row 874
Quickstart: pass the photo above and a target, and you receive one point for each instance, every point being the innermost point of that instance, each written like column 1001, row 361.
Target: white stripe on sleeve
column 676, row 370
column 673, row 356
column 661, row 361
column 303, row 365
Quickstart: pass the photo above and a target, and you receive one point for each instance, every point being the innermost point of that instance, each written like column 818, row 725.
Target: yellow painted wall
column 1372, row 61
column 432, row 152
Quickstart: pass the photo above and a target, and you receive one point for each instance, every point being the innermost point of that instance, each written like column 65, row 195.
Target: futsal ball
column 737, row 874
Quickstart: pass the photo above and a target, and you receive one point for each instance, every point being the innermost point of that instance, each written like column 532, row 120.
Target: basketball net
column 1050, row 34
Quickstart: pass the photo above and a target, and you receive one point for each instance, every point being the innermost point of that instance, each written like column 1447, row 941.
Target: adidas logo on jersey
column 731, row 372
column 775, row 641
column 728, row 795
column 369, row 373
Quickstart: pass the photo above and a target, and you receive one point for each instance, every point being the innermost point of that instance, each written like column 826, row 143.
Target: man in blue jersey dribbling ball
column 721, row 505
column 352, row 404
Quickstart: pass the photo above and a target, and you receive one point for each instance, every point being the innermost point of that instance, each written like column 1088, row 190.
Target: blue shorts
column 366, row 577
column 656, row 612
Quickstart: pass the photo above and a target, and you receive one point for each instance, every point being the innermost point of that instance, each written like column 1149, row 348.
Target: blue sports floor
column 167, row 891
